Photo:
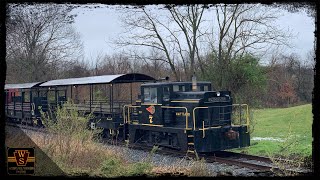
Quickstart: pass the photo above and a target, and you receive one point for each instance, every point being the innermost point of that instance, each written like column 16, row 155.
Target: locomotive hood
column 205, row 96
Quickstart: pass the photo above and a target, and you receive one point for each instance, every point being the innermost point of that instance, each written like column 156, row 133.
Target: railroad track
column 258, row 164
column 257, row 168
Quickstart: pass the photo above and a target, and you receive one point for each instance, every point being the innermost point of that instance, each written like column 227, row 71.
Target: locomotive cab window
column 206, row 88
column 175, row 88
column 150, row 95
column 203, row 88
column 180, row 88
column 166, row 93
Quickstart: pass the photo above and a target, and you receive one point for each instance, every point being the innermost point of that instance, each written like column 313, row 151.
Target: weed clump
column 117, row 167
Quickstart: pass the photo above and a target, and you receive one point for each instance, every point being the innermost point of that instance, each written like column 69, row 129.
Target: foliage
column 245, row 78
column 76, row 150
column 114, row 167
column 68, row 121
column 70, row 137
column 140, row 168
column 248, row 80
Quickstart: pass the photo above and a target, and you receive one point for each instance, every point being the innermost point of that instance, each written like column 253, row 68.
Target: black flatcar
column 185, row 116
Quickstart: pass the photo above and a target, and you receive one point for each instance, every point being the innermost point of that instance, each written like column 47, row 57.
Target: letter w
column 21, row 153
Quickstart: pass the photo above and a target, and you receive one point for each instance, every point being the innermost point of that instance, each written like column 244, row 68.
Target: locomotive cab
column 158, row 102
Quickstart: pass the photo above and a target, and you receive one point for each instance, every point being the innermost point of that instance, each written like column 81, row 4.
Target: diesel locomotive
column 184, row 116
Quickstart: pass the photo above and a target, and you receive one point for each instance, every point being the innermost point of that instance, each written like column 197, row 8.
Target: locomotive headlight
column 218, row 93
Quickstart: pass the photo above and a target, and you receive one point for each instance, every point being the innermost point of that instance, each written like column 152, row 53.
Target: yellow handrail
column 130, row 106
column 203, row 131
column 194, row 116
column 247, row 113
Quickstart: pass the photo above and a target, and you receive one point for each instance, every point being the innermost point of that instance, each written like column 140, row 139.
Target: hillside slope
column 282, row 130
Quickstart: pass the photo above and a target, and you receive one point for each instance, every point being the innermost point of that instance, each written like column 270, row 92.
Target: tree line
column 180, row 42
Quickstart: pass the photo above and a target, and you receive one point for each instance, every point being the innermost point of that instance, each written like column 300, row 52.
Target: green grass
column 291, row 125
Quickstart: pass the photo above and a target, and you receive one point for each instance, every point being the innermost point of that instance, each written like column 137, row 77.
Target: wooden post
column 131, row 92
column 90, row 96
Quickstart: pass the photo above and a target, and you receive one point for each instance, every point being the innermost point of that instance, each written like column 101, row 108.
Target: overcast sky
column 98, row 25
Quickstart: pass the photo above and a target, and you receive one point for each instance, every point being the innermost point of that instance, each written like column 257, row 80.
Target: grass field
column 282, row 131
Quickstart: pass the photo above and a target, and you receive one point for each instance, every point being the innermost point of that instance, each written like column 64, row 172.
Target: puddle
column 267, row 139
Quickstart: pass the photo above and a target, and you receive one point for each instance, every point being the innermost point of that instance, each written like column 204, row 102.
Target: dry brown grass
column 287, row 166
column 195, row 168
column 199, row 168
column 170, row 170
column 72, row 154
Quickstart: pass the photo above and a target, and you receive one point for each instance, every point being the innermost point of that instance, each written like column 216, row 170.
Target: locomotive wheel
column 111, row 135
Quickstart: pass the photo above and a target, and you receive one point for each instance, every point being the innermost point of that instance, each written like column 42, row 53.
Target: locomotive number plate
column 217, row 99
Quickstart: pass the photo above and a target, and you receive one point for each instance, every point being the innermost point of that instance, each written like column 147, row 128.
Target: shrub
column 74, row 147
column 70, row 143
column 140, row 168
column 198, row 168
column 112, row 167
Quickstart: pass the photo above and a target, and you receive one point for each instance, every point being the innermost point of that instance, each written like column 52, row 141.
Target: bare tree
column 150, row 64
column 242, row 29
column 290, row 80
column 74, row 69
column 115, row 64
column 167, row 32
column 39, row 38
